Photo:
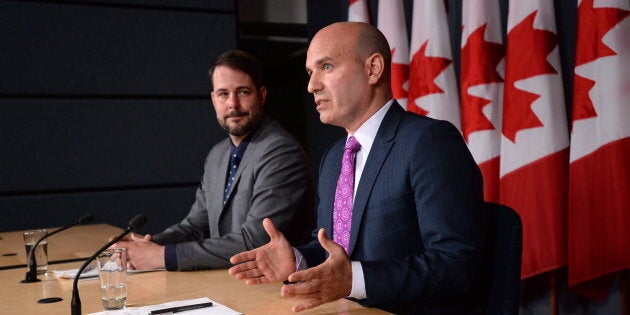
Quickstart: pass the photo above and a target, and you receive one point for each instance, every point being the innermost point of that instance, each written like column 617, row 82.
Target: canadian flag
column 391, row 22
column 535, row 141
column 358, row 11
column 599, row 193
column 432, row 83
column 482, row 71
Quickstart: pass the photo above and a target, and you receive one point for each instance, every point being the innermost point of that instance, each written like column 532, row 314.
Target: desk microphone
column 134, row 224
column 31, row 274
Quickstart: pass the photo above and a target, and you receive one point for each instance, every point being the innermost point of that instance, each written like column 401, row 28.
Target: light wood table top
column 155, row 288
column 76, row 243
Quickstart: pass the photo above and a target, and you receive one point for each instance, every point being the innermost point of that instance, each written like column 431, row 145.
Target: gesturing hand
column 325, row 283
column 272, row 262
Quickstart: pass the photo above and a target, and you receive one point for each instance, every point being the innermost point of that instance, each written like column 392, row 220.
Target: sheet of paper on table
column 216, row 308
column 89, row 272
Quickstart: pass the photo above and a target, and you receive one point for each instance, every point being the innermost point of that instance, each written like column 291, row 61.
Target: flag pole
column 553, row 292
column 624, row 291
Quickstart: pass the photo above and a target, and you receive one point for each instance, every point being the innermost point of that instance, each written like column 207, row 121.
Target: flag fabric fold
column 432, row 83
column 482, row 70
column 391, row 22
column 535, row 140
column 358, row 11
column 599, row 184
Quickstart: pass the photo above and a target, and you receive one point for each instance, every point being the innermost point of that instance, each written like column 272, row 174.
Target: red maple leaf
column 423, row 71
column 400, row 73
column 527, row 51
column 593, row 24
column 582, row 104
column 479, row 63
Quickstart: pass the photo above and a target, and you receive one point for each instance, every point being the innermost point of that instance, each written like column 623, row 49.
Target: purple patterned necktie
column 342, row 213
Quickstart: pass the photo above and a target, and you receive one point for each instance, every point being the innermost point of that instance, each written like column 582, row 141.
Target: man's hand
column 325, row 283
column 147, row 237
column 142, row 253
column 272, row 262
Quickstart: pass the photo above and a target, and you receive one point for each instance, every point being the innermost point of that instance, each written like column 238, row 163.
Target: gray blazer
column 273, row 181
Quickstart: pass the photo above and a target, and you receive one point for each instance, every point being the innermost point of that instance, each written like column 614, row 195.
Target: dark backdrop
column 104, row 105
column 104, row 108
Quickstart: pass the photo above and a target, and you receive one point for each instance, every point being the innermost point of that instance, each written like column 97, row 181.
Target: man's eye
column 327, row 67
column 243, row 92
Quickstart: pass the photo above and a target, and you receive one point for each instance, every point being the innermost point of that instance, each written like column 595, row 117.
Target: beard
column 241, row 128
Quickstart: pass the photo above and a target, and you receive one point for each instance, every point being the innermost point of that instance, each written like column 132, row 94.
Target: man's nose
column 314, row 84
column 233, row 101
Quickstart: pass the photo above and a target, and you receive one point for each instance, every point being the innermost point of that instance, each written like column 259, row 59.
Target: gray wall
column 104, row 107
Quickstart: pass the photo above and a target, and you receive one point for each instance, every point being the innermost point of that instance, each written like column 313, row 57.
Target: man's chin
column 237, row 130
column 325, row 119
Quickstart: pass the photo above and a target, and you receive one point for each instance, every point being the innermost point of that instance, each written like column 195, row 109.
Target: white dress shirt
column 365, row 136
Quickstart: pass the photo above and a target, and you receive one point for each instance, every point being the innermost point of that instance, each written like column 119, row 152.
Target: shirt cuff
column 300, row 262
column 170, row 257
column 358, row 282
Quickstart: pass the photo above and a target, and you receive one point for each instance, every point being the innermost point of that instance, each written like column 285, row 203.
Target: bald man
column 412, row 239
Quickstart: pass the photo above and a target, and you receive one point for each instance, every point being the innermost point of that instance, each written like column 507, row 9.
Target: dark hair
column 241, row 61
column 371, row 41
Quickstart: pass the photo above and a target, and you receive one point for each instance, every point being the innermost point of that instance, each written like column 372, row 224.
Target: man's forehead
column 327, row 50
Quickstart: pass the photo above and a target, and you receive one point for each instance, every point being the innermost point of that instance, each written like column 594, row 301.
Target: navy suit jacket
column 417, row 220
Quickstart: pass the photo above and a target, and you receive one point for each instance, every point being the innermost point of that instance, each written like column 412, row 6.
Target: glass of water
column 112, row 274
column 40, row 253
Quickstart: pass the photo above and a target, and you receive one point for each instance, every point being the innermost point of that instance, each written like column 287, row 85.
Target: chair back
column 505, row 251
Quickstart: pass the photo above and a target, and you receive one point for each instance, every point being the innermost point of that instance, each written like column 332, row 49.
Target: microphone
column 134, row 224
column 31, row 274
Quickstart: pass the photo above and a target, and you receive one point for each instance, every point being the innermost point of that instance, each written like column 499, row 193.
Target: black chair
column 504, row 268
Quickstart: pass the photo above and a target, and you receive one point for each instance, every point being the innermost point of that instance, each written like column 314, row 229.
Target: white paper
column 216, row 308
column 90, row 272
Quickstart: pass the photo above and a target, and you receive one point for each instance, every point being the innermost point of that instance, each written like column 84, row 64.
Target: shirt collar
column 240, row 150
column 367, row 131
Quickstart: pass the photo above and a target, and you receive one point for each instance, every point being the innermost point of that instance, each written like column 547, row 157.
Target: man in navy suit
column 416, row 231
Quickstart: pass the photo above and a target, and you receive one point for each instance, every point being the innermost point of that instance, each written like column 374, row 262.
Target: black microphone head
column 137, row 221
column 86, row 219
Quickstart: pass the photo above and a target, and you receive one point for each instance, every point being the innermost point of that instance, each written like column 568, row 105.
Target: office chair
column 505, row 248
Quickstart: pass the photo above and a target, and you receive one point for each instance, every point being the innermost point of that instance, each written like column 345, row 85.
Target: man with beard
column 260, row 171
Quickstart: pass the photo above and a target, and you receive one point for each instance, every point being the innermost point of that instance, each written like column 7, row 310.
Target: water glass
column 112, row 274
column 41, row 252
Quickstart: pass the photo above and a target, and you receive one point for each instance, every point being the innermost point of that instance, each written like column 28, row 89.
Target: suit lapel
column 215, row 188
column 381, row 147
column 248, row 157
column 335, row 155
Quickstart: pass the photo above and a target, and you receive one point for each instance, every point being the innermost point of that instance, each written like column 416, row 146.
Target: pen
column 184, row 308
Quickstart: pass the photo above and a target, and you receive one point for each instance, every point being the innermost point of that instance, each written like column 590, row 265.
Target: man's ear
column 212, row 97
column 263, row 95
column 375, row 66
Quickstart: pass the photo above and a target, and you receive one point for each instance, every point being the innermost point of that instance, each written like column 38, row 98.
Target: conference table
column 74, row 244
column 145, row 288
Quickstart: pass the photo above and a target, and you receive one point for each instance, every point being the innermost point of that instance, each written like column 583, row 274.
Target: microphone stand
column 75, row 304
column 31, row 274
